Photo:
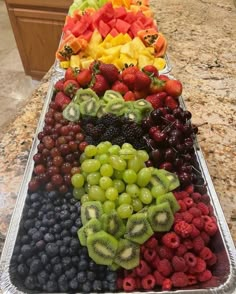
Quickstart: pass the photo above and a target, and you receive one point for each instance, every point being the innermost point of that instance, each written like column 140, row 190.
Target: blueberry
column 66, row 261
column 81, row 276
column 73, row 201
column 32, row 231
column 57, row 237
column 36, row 205
column 75, row 260
column 57, row 269
column 75, row 244
column 51, row 286
column 105, row 285
column 22, row 270
column 52, row 249
column 57, row 228
column 83, row 265
column 74, row 215
column 31, row 213
column 25, row 239
column 97, row 285
column 27, row 251
column 49, row 207
column 78, row 223
column 40, row 215
column 52, row 195
column 63, row 283
column 68, row 195
column 45, row 222
column 55, row 260
column 64, row 215
column 57, row 209
column 28, row 224
column 52, row 277
column 40, row 245
column 48, row 268
column 43, row 230
column 71, row 273
column 86, row 287
column 92, row 265
column 112, row 286
column 65, row 233
column 37, row 236
column 38, row 224
column 67, row 224
column 66, row 240
column 48, row 238
column 30, row 282
column 17, row 249
column 64, row 251
column 50, row 215
column 73, row 230
column 44, row 259
column 36, row 266
column 35, row 197
column 74, row 284
column 57, row 202
column 59, row 242
column 91, row 276
column 111, row 276
column 42, row 277
column 51, row 222
column 65, row 206
column 20, row 258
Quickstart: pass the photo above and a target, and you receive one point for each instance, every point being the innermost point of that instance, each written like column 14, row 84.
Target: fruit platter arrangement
column 116, row 195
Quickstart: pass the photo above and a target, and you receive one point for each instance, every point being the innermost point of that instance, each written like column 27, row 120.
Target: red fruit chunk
column 149, row 254
column 165, row 267
column 129, row 284
column 129, row 80
column 188, row 243
column 167, row 285
column 179, row 280
column 195, row 232
column 173, row 88
column 151, row 243
column 142, row 269
column 187, row 216
column 196, row 197
column 198, row 222
column 120, row 87
column 195, row 211
column 212, row 260
column 183, row 229
column 59, row 85
column 119, row 283
column 71, row 73
column 205, row 276
column 181, row 250
column 155, row 262
column 159, row 278
column 188, row 201
column 190, row 259
column 211, row 228
column 200, row 266
column 100, row 85
column 179, row 264
column 189, row 189
column 181, row 195
column 171, row 240
column 148, row 282
column 157, row 86
column 129, row 70
column 70, row 87
column 129, row 96
column 150, row 70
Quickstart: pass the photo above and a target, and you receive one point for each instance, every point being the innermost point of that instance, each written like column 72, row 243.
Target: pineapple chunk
column 120, row 39
column 75, row 61
column 65, row 64
column 85, row 62
column 128, row 50
column 138, row 44
column 96, row 38
column 106, row 42
column 146, row 53
column 143, row 60
column 151, row 50
column 118, row 63
column 125, row 59
column 159, row 63
column 106, row 59
column 113, row 51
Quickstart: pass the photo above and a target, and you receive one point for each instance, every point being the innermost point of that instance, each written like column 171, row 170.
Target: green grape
column 108, row 206
column 127, row 146
column 135, row 163
column 145, row 196
column 118, row 175
column 90, row 150
column 82, row 157
column 93, row 178
column 77, row 180
column 137, row 204
column 84, row 174
column 114, row 150
column 124, row 198
column 124, row 210
column 158, row 190
column 144, row 176
column 133, row 190
column 143, row 155
column 86, row 187
column 129, row 176
column 90, row 165
column 78, row 193
column 119, row 185
column 105, row 183
column 111, row 193
column 117, row 162
column 96, row 193
column 127, row 153
column 84, row 198
column 103, row 158
column 106, row 170
column 103, row 147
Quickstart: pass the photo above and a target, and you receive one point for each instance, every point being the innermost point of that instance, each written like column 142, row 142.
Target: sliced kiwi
column 129, row 105
column 169, row 180
column 127, row 254
column 102, row 109
column 84, row 95
column 113, row 224
column 114, row 266
column 89, row 107
column 90, row 210
column 138, row 228
column 143, row 105
column 71, row 112
column 110, row 95
column 102, row 247
column 169, row 197
column 160, row 217
column 156, row 186
column 91, row 227
column 134, row 114
column 115, row 106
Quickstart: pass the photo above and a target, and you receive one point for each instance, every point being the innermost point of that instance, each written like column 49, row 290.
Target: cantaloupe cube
column 75, row 61
column 159, row 63
column 143, row 60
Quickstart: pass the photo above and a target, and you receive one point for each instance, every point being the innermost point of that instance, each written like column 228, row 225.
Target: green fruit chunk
column 170, row 198
column 71, row 112
column 134, row 114
column 113, row 224
column 160, row 217
column 169, row 180
column 116, row 106
column 89, row 107
column 110, row 95
column 91, row 209
column 84, row 95
column 143, row 106
column 91, row 227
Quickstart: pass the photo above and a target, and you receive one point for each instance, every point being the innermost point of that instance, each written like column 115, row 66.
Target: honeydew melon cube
column 143, row 60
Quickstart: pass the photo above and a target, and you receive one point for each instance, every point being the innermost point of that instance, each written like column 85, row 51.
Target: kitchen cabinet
column 37, row 27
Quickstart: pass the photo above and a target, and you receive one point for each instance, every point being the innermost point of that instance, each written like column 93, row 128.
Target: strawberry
column 156, row 86
column 84, row 77
column 129, row 80
column 71, row 73
column 150, row 70
column 120, row 87
column 142, row 81
column 171, row 102
column 155, row 100
column 110, row 72
column 163, row 78
column 173, row 88
column 100, row 84
column 129, row 70
column 61, row 99
column 59, row 85
column 129, row 96
column 70, row 87
column 140, row 94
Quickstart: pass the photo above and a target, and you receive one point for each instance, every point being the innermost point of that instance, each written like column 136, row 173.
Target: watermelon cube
column 120, row 12
column 114, row 32
column 103, row 28
column 136, row 27
column 122, row 26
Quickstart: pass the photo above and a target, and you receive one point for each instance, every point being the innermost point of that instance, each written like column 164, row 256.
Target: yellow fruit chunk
column 120, row 39
column 85, row 62
column 128, row 50
column 113, row 51
column 144, row 60
column 75, row 61
column 159, row 63
column 125, row 59
column 65, row 64
column 106, row 59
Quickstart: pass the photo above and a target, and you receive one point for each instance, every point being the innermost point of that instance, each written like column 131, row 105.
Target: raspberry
column 179, row 279
column 196, row 197
column 151, row 243
column 195, row 232
column 198, row 223
column 148, row 282
column 167, row 285
column 189, row 189
column 178, row 217
column 165, row 268
column 204, row 276
column 203, row 207
column 165, row 252
column 159, row 278
column 187, row 216
column 138, row 283
column 206, row 218
column 149, row 254
column 183, row 229
column 181, row 195
column 188, row 243
column 210, row 228
column 206, row 198
column 119, row 283
column 195, row 211
column 206, row 253
column 188, row 201
column 192, row 280
column 129, row 284
column 205, row 237
column 142, row 269
column 181, row 250
column 190, row 259
column 179, row 264
column 183, row 206
column 198, row 243
column 200, row 266
column 156, row 262
column 212, row 260
column 171, row 240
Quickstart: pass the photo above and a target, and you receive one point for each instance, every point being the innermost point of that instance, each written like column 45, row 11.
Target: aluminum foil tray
column 224, row 272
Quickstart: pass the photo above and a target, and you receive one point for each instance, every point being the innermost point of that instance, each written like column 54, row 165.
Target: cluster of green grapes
column 116, row 176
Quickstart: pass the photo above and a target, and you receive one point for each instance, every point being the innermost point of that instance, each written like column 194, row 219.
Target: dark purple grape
column 156, row 115
column 173, row 141
column 185, row 178
column 156, row 155
column 169, row 154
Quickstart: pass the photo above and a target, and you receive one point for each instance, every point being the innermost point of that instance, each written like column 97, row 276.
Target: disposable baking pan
column 224, row 272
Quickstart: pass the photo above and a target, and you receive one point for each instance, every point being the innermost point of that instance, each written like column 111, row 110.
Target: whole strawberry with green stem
column 99, row 84
column 70, row 87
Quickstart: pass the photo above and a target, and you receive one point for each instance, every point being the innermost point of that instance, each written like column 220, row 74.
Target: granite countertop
column 202, row 46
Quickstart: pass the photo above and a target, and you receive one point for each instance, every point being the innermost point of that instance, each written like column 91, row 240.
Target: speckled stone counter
column 202, row 46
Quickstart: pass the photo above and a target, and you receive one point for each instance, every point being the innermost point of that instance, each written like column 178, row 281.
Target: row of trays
column 224, row 271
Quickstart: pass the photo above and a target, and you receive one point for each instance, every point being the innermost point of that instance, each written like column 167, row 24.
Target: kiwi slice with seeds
column 113, row 224
column 110, row 95
column 114, row 266
column 156, row 186
column 143, row 105
column 127, row 254
column 89, row 107
column 138, row 228
column 134, row 115
column 91, row 227
column 84, row 95
column 129, row 105
column 116, row 106
column 169, row 197
column 101, row 110
column 90, row 210
column 160, row 217
column 102, row 247
column 169, row 180
column 71, row 112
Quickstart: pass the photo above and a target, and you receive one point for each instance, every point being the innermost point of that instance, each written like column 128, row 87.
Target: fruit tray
column 224, row 271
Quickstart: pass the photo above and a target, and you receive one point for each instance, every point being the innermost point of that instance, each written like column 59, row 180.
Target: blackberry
column 89, row 140
column 110, row 133
column 109, row 120
column 120, row 140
